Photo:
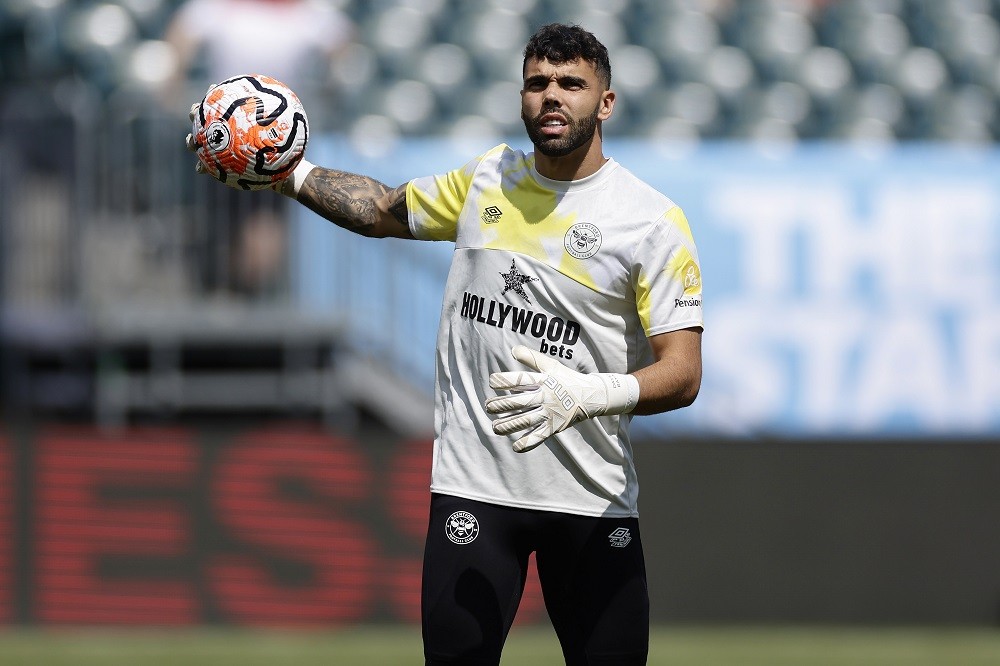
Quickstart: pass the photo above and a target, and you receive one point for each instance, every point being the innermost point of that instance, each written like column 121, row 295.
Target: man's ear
column 607, row 105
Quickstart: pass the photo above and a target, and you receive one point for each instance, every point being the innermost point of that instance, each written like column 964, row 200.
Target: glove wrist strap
column 297, row 177
column 623, row 392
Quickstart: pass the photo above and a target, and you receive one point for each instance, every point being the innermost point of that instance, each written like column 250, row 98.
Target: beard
column 578, row 133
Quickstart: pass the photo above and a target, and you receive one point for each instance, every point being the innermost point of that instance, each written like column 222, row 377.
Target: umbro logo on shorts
column 620, row 537
column 461, row 528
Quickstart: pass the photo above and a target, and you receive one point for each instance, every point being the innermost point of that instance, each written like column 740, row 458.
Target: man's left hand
column 554, row 397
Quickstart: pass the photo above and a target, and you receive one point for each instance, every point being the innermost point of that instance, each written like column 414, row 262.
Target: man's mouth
column 552, row 124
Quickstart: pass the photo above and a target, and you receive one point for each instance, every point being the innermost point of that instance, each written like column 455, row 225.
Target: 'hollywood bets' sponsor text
column 557, row 335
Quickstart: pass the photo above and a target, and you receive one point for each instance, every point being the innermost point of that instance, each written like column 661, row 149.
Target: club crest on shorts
column 620, row 537
column 582, row 240
column 461, row 527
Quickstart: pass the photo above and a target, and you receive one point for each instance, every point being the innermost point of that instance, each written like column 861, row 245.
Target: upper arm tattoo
column 346, row 199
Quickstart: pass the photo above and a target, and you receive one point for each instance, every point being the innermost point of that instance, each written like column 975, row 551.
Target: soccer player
column 573, row 301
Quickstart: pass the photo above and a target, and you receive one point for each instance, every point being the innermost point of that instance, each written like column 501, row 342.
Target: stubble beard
column 578, row 133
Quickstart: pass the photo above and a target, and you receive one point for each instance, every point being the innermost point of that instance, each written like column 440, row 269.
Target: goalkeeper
column 573, row 301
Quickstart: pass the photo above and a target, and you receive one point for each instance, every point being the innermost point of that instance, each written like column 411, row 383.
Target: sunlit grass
column 391, row 646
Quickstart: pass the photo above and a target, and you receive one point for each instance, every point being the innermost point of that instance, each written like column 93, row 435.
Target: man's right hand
column 189, row 141
column 287, row 186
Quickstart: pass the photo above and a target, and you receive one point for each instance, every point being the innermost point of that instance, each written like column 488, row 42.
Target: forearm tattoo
column 346, row 199
column 398, row 206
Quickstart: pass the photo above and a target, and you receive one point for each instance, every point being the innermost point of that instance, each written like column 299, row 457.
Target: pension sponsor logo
column 691, row 277
column 556, row 335
column 687, row 302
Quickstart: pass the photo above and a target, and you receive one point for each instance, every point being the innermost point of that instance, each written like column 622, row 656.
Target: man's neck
column 582, row 162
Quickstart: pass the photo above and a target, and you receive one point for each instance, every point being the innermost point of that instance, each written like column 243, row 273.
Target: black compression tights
column 591, row 570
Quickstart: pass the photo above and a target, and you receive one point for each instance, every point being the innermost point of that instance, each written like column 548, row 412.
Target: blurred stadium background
column 216, row 407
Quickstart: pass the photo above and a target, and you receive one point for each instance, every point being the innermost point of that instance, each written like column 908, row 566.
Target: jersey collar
column 594, row 179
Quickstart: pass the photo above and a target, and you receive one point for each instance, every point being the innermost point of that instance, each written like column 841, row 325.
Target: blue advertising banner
column 848, row 291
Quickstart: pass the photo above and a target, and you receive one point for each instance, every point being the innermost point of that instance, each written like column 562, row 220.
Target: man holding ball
column 573, row 301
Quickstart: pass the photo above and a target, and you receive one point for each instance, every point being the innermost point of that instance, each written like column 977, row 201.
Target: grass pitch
column 370, row 646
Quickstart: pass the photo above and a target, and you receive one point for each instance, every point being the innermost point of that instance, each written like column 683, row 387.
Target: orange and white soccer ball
column 250, row 131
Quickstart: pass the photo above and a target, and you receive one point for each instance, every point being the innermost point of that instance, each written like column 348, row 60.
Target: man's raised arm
column 349, row 200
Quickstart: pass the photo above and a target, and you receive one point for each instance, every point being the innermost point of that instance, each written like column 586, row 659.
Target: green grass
column 370, row 646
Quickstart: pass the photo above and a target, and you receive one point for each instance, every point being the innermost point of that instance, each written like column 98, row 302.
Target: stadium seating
column 803, row 69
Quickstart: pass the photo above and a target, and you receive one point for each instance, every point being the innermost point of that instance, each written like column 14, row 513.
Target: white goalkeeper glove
column 554, row 397
column 189, row 141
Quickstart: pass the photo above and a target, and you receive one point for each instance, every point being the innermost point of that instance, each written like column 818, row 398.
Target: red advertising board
column 276, row 526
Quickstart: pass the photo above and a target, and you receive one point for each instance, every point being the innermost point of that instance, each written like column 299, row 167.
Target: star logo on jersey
column 515, row 281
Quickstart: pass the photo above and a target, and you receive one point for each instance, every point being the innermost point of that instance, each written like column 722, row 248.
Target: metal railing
column 109, row 234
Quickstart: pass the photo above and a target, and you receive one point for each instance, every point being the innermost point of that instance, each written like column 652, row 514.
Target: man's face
column 561, row 105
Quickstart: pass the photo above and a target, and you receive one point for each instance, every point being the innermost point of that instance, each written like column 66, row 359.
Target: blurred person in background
column 573, row 300
column 294, row 41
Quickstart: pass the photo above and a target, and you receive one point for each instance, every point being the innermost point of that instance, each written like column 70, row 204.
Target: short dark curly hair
column 559, row 43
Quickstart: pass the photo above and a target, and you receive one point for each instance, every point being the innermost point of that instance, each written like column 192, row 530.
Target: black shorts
column 591, row 570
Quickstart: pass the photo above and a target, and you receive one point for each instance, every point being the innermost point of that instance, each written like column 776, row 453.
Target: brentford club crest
column 583, row 240
column 461, row 528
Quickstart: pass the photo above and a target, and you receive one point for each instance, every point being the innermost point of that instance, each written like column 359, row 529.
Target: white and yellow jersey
column 582, row 270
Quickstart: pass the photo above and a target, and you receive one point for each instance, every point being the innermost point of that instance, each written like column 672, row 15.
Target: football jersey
column 583, row 271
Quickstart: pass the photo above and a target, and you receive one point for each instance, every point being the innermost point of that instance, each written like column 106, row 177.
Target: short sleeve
column 667, row 276
column 435, row 202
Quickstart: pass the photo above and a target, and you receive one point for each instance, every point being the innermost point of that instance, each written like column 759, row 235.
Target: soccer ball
column 250, row 131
